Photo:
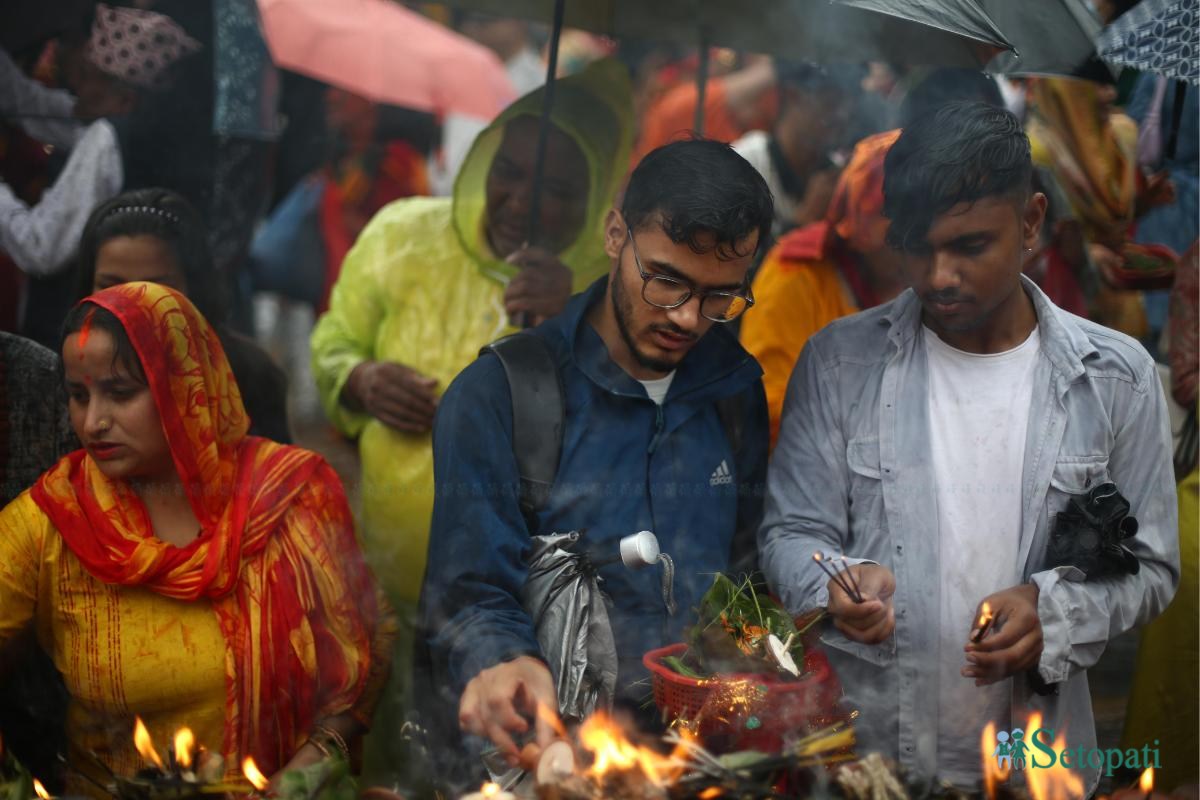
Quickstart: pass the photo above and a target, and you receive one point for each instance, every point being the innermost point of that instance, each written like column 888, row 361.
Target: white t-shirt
column 657, row 389
column 978, row 415
column 755, row 147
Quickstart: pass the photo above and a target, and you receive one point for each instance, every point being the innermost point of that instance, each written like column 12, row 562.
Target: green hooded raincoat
column 420, row 287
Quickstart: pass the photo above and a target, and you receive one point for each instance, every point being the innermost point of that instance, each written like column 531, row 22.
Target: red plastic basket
column 789, row 707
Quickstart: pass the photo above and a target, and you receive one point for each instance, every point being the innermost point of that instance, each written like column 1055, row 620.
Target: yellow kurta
column 1164, row 704
column 792, row 301
column 122, row 651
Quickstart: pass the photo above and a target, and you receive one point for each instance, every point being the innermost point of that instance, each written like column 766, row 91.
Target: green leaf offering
column 739, row 630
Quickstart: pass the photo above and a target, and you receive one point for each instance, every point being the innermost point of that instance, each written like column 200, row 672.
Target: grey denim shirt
column 852, row 474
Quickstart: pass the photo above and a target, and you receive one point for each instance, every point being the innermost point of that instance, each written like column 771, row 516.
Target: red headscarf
column 276, row 555
column 854, row 221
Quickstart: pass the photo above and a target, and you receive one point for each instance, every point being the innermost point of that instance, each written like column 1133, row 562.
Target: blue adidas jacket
column 626, row 465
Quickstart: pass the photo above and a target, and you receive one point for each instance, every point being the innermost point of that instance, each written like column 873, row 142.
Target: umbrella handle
column 535, row 202
column 701, row 83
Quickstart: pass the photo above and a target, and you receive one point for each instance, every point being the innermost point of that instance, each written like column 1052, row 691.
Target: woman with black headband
column 155, row 235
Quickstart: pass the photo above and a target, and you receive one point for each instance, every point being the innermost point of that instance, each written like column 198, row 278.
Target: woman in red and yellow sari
column 179, row 570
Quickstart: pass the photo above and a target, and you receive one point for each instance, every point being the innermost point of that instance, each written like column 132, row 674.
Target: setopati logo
column 1019, row 751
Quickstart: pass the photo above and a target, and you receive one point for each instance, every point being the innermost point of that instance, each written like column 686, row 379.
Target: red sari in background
column 362, row 182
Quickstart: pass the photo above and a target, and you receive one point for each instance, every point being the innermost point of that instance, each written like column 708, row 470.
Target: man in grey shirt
column 872, row 462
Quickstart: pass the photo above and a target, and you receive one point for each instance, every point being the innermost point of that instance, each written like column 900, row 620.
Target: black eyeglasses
column 667, row 292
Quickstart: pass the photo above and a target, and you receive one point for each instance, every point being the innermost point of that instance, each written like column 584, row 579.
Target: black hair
column 802, row 75
column 166, row 216
column 948, row 85
column 96, row 318
column 961, row 153
column 699, row 188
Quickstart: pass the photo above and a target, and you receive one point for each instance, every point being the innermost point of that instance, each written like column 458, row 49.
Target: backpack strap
column 538, row 410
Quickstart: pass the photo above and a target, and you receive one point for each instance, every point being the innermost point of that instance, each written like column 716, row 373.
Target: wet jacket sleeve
column 46, row 114
column 345, row 335
column 806, row 489
column 751, row 465
column 1079, row 617
column 42, row 238
column 478, row 543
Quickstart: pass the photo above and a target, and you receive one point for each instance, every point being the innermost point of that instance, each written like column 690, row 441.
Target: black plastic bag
column 1090, row 534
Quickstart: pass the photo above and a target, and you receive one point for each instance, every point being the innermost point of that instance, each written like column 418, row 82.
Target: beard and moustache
column 623, row 311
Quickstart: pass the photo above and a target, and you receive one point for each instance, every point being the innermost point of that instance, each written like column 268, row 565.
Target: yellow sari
column 273, row 594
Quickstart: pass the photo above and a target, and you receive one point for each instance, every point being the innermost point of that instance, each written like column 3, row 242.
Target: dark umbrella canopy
column 1050, row 37
column 909, row 32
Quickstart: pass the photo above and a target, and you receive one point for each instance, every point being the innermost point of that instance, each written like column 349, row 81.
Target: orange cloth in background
column 353, row 196
column 792, row 301
column 856, row 208
column 276, row 560
column 672, row 116
column 807, row 280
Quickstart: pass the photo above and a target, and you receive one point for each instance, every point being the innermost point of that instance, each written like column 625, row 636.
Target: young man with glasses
column 645, row 359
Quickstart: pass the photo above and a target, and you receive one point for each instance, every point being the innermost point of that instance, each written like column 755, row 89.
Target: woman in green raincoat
column 432, row 280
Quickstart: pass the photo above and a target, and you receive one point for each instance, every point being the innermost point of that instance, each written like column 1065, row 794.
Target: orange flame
column 252, row 773
column 184, row 742
column 711, row 792
column 1146, row 782
column 489, row 789
column 993, row 773
column 613, row 752
column 143, row 743
column 41, row 790
column 1056, row 782
column 985, row 615
column 547, row 715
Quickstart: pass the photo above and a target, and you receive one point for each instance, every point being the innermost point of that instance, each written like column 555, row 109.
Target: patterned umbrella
column 1157, row 36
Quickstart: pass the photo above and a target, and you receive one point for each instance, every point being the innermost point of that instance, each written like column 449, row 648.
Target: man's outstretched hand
column 873, row 620
column 500, row 702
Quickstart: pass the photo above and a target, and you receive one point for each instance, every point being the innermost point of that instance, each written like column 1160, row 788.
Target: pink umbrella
column 382, row 51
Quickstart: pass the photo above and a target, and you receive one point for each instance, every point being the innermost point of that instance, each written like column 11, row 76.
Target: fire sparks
column 993, row 772
column 143, row 743
column 252, row 773
column 1055, row 782
column 1146, row 782
column 185, row 742
column 601, row 736
column 983, row 623
column 41, row 790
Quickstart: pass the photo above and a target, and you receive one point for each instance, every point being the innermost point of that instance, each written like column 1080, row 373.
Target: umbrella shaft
column 535, row 203
column 701, row 84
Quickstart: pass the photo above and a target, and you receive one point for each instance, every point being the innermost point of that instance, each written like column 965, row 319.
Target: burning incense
column 836, row 578
column 850, row 576
column 983, row 624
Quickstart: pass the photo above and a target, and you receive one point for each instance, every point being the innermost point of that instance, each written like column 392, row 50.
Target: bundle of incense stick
column 845, row 579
